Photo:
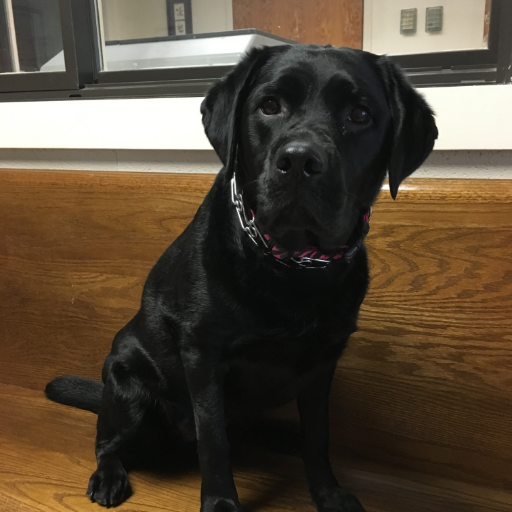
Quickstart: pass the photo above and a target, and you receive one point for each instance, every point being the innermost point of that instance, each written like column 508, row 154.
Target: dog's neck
column 311, row 257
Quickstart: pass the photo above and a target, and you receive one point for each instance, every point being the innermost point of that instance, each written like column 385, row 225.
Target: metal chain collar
column 248, row 225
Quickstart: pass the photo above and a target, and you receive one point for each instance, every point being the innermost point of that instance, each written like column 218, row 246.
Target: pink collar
column 313, row 253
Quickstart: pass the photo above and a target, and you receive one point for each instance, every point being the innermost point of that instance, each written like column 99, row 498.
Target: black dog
column 252, row 305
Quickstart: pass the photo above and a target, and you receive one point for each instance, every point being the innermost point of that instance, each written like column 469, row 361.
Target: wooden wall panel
column 336, row 22
column 426, row 383
column 75, row 250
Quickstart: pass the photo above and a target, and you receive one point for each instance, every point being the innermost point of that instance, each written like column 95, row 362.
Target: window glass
column 398, row 27
column 141, row 34
column 30, row 36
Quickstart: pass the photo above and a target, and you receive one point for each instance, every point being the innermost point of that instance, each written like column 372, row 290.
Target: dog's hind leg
column 125, row 401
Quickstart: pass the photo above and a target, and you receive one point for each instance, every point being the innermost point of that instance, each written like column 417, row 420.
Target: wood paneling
column 75, row 251
column 336, row 22
column 426, row 383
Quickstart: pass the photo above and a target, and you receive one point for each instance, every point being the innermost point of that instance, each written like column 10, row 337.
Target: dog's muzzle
column 311, row 257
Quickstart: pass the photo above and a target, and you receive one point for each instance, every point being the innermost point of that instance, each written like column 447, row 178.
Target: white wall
column 463, row 26
column 468, row 117
column 134, row 19
column 212, row 15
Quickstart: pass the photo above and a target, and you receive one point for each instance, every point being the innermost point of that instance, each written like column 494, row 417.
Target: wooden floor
column 46, row 458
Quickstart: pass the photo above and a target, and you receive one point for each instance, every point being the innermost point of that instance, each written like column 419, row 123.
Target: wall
column 463, row 26
column 440, row 164
column 212, row 16
column 175, row 123
column 133, row 19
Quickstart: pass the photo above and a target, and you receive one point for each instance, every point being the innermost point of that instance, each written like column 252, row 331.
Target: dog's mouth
column 295, row 230
column 293, row 233
column 315, row 252
column 296, row 226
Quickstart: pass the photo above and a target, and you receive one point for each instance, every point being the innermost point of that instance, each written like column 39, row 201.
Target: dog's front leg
column 205, row 383
column 313, row 405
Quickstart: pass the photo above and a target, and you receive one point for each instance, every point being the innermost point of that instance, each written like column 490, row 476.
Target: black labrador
column 253, row 304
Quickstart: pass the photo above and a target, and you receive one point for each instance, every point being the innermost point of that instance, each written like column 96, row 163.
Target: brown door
column 336, row 22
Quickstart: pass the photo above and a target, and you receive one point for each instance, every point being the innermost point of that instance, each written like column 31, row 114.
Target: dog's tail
column 76, row 391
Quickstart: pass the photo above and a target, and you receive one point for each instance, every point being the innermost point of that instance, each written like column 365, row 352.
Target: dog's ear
column 414, row 127
column 221, row 109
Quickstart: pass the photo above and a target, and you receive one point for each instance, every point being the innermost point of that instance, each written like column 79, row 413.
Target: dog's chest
column 271, row 366
column 288, row 333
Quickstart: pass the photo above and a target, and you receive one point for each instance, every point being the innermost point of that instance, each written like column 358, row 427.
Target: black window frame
column 5, row 50
column 84, row 77
column 55, row 80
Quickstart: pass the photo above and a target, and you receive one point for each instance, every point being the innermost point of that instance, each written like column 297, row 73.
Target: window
column 109, row 48
column 456, row 42
column 187, row 43
column 31, row 33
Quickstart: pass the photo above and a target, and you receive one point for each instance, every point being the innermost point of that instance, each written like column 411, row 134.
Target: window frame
column 208, row 73
column 84, row 77
column 5, row 45
column 49, row 81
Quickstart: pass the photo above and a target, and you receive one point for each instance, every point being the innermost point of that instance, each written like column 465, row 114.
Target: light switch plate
column 408, row 21
column 434, row 19
column 179, row 12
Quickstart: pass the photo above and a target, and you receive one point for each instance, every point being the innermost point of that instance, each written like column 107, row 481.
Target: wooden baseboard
column 426, row 383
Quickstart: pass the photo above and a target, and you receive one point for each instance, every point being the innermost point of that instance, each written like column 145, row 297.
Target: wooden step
column 46, row 458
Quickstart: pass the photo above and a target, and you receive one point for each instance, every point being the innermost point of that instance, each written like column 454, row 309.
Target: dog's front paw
column 336, row 499
column 109, row 486
column 220, row 504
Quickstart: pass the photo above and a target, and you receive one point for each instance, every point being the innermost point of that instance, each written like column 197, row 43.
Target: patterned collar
column 310, row 257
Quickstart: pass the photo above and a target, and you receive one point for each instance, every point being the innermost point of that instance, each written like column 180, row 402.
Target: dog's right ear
column 222, row 107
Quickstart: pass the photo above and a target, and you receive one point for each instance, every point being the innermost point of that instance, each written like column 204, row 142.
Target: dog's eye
column 270, row 107
column 359, row 115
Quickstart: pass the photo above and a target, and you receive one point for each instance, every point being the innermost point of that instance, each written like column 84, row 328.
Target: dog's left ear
column 414, row 126
column 222, row 107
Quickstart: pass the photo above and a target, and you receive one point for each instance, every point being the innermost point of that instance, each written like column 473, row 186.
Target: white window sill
column 469, row 118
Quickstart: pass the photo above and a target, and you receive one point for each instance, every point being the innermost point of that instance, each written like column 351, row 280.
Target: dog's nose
column 299, row 157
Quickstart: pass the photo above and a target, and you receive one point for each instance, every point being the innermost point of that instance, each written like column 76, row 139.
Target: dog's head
column 311, row 132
